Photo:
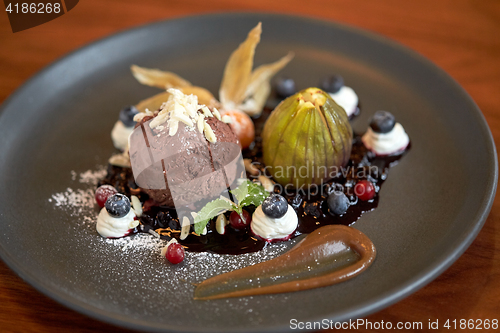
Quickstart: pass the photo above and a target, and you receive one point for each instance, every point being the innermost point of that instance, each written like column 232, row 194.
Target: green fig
column 307, row 139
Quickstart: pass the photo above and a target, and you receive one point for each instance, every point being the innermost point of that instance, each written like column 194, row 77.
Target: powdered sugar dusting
column 131, row 271
column 137, row 242
column 198, row 266
column 80, row 201
column 92, row 177
column 77, row 202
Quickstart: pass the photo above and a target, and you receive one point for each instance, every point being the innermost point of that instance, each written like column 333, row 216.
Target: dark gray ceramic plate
column 431, row 207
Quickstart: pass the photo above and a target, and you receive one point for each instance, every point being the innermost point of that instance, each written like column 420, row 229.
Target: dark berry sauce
column 311, row 208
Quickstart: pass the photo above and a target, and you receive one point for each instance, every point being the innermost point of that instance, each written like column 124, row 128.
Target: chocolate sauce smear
column 311, row 207
column 329, row 255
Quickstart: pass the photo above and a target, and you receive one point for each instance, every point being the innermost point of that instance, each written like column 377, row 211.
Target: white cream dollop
column 109, row 226
column 347, row 99
column 386, row 143
column 120, row 134
column 271, row 228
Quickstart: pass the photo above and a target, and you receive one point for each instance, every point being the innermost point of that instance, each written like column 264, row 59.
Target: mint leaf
column 241, row 191
column 249, row 193
column 212, row 209
column 246, row 194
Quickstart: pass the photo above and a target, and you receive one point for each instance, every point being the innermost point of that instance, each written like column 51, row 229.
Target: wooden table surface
column 460, row 36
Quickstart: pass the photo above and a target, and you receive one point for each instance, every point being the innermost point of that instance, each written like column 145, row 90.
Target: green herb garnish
column 248, row 193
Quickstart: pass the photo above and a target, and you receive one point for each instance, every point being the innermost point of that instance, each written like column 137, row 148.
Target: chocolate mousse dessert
column 186, row 142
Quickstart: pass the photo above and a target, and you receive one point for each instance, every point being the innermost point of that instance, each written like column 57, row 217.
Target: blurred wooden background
column 460, row 36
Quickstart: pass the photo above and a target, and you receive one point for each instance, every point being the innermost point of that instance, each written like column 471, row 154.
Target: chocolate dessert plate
column 55, row 134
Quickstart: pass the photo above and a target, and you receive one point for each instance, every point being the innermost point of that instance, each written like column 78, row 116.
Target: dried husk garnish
column 158, row 78
column 241, row 88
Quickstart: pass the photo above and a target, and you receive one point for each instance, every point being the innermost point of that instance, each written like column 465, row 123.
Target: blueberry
column 332, row 84
column 275, row 206
column 285, row 87
column 127, row 115
column 382, row 122
column 338, row 202
column 118, row 205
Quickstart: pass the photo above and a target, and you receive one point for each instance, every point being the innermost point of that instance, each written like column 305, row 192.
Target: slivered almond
column 206, row 112
column 250, row 168
column 216, row 113
column 184, row 118
column 178, row 109
column 120, row 160
column 136, row 203
column 227, row 119
column 174, row 126
column 158, row 120
column 186, row 226
column 201, row 122
column 220, row 224
column 138, row 117
column 209, row 133
column 133, row 224
column 191, row 106
column 154, row 233
column 164, row 249
column 267, row 183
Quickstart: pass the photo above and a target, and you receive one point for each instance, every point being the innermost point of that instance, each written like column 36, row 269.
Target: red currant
column 238, row 222
column 365, row 190
column 103, row 193
column 175, row 253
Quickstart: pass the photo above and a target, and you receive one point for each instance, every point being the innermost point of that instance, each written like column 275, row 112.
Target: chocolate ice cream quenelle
column 184, row 152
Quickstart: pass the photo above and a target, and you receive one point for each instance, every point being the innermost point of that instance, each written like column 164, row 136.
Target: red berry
column 365, row 190
column 237, row 222
column 103, row 193
column 175, row 253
